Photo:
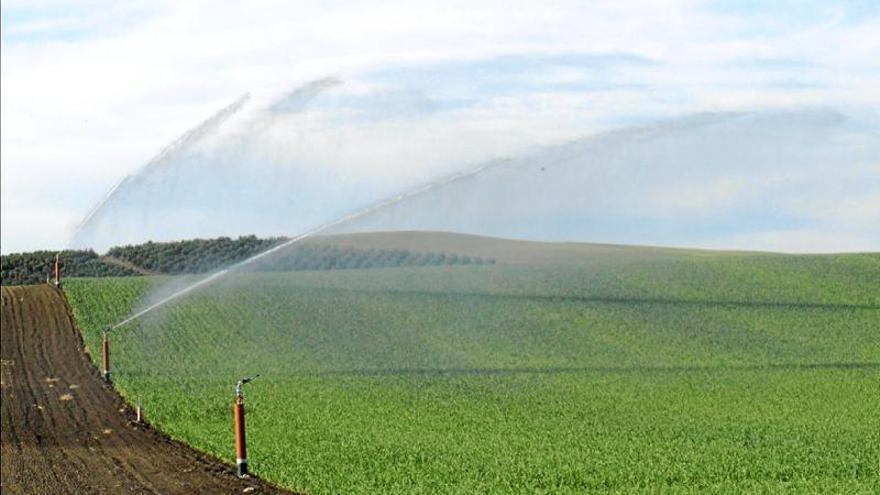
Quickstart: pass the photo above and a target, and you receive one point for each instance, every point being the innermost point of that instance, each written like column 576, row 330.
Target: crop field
column 663, row 372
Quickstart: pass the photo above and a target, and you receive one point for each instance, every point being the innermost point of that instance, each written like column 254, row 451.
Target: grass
column 681, row 373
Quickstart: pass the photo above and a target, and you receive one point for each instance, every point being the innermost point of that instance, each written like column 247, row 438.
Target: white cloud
column 91, row 91
column 861, row 209
column 827, row 240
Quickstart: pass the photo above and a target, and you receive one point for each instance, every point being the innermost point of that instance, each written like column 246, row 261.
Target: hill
column 679, row 371
column 511, row 251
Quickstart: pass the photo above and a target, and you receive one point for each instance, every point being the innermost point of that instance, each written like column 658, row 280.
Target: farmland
column 659, row 370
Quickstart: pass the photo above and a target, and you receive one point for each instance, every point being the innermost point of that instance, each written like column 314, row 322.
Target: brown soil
column 65, row 431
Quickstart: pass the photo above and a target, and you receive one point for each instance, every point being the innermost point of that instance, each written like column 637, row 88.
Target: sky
column 90, row 91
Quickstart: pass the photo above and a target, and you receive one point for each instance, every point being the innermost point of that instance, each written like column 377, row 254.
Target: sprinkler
column 105, row 348
column 241, row 464
column 57, row 270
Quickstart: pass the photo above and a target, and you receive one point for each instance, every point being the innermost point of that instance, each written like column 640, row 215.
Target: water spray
column 105, row 353
column 241, row 463
column 180, row 145
column 317, row 230
column 293, row 102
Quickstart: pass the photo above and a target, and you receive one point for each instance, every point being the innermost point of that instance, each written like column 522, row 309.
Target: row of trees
column 35, row 267
column 330, row 257
column 204, row 255
column 194, row 255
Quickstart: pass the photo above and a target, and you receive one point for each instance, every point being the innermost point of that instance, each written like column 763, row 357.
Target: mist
column 299, row 161
column 791, row 179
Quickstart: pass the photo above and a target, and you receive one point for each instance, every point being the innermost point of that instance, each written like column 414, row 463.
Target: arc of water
column 290, row 103
column 321, row 228
column 175, row 148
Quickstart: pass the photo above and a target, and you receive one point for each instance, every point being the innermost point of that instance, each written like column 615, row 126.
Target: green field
column 658, row 371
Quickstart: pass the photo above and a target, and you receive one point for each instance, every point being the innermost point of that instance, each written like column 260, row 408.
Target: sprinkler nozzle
column 241, row 382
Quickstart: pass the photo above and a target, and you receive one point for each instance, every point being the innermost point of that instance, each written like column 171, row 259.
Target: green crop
column 670, row 373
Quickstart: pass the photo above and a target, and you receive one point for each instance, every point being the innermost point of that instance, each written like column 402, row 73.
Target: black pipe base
column 241, row 469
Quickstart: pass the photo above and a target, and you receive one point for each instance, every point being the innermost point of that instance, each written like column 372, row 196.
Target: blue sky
column 92, row 90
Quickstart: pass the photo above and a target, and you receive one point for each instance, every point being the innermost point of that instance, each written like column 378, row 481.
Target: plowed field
column 65, row 431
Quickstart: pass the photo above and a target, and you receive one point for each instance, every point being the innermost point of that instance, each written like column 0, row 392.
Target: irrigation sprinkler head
column 238, row 385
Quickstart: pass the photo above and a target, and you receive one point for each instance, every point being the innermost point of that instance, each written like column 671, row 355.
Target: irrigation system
column 292, row 102
column 238, row 410
column 241, row 461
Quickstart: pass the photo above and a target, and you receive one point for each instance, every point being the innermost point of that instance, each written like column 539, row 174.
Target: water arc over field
column 590, row 189
column 319, row 229
column 169, row 153
column 190, row 160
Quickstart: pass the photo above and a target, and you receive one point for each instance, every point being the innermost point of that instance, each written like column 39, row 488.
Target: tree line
column 193, row 255
column 204, row 255
column 331, row 257
column 38, row 266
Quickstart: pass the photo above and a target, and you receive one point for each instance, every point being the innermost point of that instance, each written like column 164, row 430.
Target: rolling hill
column 676, row 370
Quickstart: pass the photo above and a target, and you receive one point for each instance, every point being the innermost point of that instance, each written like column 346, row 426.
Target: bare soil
column 65, row 431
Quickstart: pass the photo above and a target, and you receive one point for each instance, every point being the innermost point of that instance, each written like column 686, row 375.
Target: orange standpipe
column 241, row 462
column 240, row 441
column 105, row 348
column 57, row 270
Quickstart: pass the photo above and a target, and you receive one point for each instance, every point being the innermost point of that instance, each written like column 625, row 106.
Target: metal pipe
column 241, row 463
column 57, row 270
column 105, row 347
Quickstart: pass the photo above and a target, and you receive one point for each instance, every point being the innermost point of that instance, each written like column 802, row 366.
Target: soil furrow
column 65, row 431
